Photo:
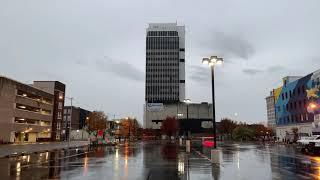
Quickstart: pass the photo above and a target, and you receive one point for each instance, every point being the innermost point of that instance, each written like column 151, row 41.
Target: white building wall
column 182, row 73
column 281, row 131
column 79, row 135
column 196, row 111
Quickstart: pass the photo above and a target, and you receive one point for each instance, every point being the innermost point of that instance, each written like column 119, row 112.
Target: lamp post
column 212, row 62
column 187, row 102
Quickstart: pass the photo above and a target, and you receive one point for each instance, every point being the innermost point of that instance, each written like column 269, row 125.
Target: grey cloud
column 271, row 69
column 230, row 45
column 119, row 68
column 252, row 71
column 199, row 74
column 315, row 59
column 202, row 75
column 276, row 68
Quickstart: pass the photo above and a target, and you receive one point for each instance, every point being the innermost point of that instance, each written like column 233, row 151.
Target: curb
column 24, row 153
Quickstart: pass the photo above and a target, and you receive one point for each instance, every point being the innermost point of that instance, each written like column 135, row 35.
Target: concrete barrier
column 215, row 156
column 188, row 145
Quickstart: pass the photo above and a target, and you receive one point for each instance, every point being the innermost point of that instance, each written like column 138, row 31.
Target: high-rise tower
column 165, row 63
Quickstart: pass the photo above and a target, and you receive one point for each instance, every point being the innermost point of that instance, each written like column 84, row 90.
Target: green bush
column 241, row 133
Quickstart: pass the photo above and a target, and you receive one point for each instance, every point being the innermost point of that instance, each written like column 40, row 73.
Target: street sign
column 155, row 107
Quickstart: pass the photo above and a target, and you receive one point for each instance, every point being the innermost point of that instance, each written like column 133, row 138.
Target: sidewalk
column 16, row 149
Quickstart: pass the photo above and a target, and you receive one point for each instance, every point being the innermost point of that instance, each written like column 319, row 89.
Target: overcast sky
column 97, row 48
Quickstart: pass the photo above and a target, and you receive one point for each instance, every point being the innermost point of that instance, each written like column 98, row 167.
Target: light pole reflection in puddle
column 238, row 159
column 85, row 165
column 126, row 161
column 182, row 165
column 18, row 169
column 116, row 164
column 215, row 171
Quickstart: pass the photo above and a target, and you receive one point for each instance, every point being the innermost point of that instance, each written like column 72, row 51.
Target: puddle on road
column 164, row 161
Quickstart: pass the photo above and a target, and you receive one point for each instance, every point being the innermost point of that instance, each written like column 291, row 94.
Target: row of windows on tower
column 162, row 46
column 162, row 90
column 162, row 40
column 164, row 99
column 293, row 106
column 292, row 93
column 157, row 88
column 162, row 33
column 162, row 81
column 294, row 118
column 163, row 94
column 172, row 74
column 163, row 53
column 171, row 65
column 162, row 70
column 162, row 59
column 162, row 43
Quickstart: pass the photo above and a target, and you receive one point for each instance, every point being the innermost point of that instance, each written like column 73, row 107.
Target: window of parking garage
column 33, row 109
column 46, row 100
column 45, row 123
column 29, row 95
column 33, row 96
column 26, row 121
column 47, row 112
column 27, row 108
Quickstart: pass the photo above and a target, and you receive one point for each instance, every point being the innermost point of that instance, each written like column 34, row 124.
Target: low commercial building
column 25, row 112
column 193, row 118
column 295, row 104
column 77, row 116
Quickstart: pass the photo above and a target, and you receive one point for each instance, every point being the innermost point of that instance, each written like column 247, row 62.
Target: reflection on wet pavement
column 164, row 160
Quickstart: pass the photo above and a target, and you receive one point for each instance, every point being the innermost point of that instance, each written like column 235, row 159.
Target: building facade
column 193, row 117
column 165, row 63
column 77, row 116
column 58, row 90
column 271, row 114
column 26, row 112
column 292, row 104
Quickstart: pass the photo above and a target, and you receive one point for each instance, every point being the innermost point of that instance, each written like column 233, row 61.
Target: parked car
column 293, row 138
column 309, row 144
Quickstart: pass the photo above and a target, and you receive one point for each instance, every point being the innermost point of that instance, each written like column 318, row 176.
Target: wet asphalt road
column 164, row 161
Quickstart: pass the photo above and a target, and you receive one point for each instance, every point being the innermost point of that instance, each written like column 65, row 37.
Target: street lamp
column 187, row 102
column 313, row 105
column 212, row 62
column 179, row 115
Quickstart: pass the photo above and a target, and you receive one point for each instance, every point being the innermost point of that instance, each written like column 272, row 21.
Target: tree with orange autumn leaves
column 97, row 120
column 129, row 127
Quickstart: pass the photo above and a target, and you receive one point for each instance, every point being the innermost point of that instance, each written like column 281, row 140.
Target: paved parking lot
column 162, row 160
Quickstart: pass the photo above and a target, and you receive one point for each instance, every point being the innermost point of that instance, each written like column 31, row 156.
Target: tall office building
column 165, row 63
column 271, row 114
